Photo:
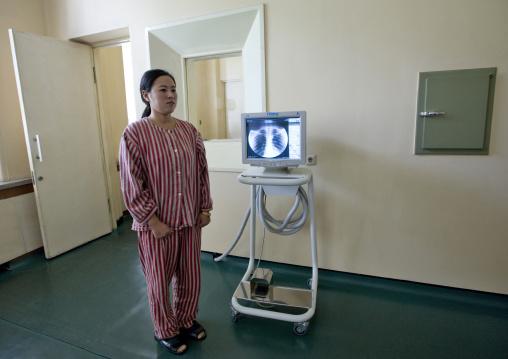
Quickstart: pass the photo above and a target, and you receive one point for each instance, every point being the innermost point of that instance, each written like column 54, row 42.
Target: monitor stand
column 275, row 172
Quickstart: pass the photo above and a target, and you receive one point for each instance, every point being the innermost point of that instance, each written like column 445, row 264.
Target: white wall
column 353, row 66
column 173, row 64
column 19, row 227
column 29, row 16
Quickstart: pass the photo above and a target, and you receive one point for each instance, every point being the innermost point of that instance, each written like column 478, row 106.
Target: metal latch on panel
column 431, row 114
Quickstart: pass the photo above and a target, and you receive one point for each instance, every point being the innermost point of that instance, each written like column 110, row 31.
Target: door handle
column 38, row 140
column 431, row 114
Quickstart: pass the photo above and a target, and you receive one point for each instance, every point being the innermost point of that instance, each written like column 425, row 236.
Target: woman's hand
column 159, row 229
column 203, row 220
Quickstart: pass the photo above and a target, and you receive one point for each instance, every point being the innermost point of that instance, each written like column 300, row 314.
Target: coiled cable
column 287, row 227
column 293, row 223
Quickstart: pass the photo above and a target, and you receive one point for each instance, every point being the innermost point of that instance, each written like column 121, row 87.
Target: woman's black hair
column 146, row 84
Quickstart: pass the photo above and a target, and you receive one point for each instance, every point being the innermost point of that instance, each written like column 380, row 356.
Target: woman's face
column 162, row 96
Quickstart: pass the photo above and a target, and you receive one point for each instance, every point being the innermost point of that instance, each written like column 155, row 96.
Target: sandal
column 194, row 331
column 172, row 344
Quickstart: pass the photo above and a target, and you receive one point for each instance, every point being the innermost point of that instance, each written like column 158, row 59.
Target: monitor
column 274, row 139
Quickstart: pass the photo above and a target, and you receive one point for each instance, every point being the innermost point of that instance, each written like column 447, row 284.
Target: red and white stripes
column 164, row 172
column 160, row 258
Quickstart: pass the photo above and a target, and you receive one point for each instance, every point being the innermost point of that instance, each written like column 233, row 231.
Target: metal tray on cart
column 275, row 295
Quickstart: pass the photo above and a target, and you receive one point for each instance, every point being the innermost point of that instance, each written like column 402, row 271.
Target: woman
column 166, row 189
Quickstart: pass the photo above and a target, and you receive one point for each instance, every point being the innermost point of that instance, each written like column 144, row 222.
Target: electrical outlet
column 311, row 160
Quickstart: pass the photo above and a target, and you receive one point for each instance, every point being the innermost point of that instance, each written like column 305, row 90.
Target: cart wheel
column 300, row 328
column 309, row 283
column 234, row 314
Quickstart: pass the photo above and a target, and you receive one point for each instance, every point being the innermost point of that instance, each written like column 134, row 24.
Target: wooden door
column 59, row 109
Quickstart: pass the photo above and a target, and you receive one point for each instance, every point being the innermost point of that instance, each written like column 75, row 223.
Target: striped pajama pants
column 175, row 259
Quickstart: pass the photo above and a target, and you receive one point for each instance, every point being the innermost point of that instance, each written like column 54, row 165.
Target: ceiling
column 219, row 33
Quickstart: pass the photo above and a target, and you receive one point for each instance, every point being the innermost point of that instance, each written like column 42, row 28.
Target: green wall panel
column 463, row 100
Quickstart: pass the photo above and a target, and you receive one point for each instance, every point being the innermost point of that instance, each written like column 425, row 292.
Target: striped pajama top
column 164, row 172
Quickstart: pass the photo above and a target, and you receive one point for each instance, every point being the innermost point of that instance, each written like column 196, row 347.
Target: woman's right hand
column 159, row 229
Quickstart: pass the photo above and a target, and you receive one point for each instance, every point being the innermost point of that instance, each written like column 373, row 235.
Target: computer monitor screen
column 274, row 139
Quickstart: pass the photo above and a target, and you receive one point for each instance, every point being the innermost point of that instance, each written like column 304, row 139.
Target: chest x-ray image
column 269, row 141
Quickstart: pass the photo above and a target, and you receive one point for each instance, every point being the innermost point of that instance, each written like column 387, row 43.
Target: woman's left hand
column 203, row 220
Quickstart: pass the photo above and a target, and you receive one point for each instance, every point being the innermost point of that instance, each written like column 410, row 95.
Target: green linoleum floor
column 91, row 303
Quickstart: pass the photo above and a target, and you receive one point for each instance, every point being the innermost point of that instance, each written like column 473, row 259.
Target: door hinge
column 94, row 78
column 109, row 205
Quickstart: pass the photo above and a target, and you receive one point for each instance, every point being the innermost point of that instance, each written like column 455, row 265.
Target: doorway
column 116, row 111
column 58, row 100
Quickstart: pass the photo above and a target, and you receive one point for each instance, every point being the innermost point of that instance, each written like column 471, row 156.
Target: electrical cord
column 287, row 227
column 240, row 232
column 261, row 253
column 292, row 223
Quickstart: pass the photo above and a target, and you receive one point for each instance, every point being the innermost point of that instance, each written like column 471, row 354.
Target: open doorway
column 115, row 101
column 115, row 93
